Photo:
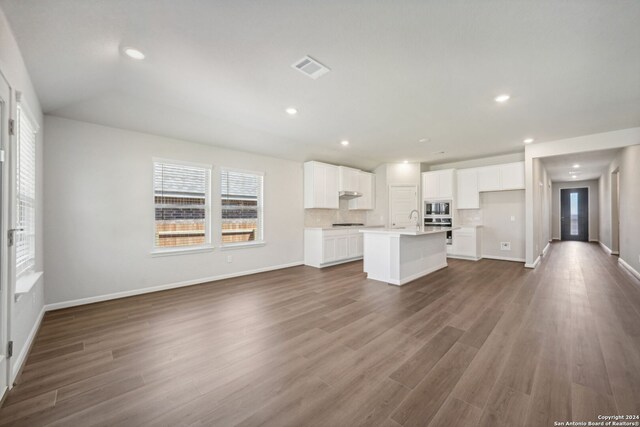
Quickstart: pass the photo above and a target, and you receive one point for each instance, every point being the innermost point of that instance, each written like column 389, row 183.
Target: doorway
column 574, row 214
column 402, row 200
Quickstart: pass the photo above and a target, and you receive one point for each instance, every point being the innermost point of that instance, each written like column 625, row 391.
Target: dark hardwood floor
column 485, row 343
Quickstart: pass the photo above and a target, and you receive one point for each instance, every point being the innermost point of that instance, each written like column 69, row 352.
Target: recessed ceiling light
column 424, row 140
column 502, row 98
column 405, row 161
column 344, row 142
column 528, row 141
column 133, row 53
column 575, row 176
column 576, row 166
column 291, row 111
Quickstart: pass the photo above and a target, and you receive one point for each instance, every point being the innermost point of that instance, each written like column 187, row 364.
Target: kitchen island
column 398, row 256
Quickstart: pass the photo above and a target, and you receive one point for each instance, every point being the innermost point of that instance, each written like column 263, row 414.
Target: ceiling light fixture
column 344, row 143
column 133, row 53
column 528, row 141
column 502, row 98
column 424, row 140
column 405, row 161
column 291, row 111
column 576, row 166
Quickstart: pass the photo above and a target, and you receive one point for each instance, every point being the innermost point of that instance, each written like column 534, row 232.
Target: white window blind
column 25, row 238
column 182, row 205
column 242, row 206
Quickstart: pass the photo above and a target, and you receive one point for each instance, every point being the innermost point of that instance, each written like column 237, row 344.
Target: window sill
column 231, row 246
column 182, row 251
column 25, row 283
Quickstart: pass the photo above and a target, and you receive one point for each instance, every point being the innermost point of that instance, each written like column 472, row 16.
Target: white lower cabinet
column 327, row 247
column 466, row 243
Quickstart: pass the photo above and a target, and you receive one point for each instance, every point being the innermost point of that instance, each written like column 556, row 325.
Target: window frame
column 22, row 110
column 256, row 242
column 180, row 250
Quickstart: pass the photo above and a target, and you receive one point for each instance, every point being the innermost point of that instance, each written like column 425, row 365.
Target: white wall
column 497, row 209
column 99, row 204
column 594, row 206
column 475, row 163
column 627, row 164
column 25, row 313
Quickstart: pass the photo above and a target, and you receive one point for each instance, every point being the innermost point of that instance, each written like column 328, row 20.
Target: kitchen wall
column 594, row 206
column 27, row 311
column 326, row 217
column 502, row 221
column 475, row 163
column 99, row 223
column 626, row 163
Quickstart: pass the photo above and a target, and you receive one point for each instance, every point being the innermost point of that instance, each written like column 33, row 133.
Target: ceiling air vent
column 310, row 67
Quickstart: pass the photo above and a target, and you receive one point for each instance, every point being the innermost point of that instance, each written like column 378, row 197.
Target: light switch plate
column 513, row 218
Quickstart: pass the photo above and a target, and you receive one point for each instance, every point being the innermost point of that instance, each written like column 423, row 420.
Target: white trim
column 182, row 251
column 534, row 264
column 16, row 364
column 606, row 248
column 546, row 249
column 468, row 258
column 628, row 267
column 107, row 297
column 503, row 258
column 242, row 245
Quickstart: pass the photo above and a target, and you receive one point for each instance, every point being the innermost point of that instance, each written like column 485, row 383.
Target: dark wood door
column 574, row 214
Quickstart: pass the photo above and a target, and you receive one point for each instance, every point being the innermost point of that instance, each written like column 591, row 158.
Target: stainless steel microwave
column 437, row 208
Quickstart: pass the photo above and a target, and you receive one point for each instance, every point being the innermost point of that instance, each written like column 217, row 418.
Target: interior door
column 402, row 200
column 5, row 93
column 574, row 214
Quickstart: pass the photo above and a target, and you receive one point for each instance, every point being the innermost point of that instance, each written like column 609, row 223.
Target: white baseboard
column 16, row 364
column 99, row 298
column 605, row 248
column 534, row 264
column 468, row 258
column 630, row 269
column 546, row 248
column 503, row 258
column 594, row 240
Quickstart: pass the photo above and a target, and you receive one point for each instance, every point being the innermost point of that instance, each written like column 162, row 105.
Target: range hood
column 347, row 195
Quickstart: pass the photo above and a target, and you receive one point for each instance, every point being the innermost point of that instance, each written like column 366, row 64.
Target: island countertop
column 409, row 231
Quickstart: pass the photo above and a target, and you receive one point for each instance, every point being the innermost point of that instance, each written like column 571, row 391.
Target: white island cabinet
column 398, row 256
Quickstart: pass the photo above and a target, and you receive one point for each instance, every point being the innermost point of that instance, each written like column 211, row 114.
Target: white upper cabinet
column 467, row 196
column 489, row 178
column 320, row 186
column 366, row 185
column 349, row 179
column 438, row 185
column 512, row 176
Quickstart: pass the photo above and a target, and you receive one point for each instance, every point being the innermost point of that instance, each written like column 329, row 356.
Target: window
column 182, row 205
column 241, row 194
column 25, row 238
column 573, row 198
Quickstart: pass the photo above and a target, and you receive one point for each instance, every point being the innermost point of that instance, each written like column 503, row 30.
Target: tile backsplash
column 326, row 217
column 469, row 217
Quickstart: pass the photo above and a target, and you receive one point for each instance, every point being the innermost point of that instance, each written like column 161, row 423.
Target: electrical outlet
column 505, row 246
column 229, row 258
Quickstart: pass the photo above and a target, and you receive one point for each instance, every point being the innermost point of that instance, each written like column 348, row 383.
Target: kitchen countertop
column 350, row 227
column 410, row 231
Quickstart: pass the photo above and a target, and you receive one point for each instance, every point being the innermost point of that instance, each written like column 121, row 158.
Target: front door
column 402, row 200
column 574, row 214
column 4, row 289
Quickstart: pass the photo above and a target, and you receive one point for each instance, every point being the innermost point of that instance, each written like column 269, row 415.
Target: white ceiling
column 592, row 165
column 219, row 72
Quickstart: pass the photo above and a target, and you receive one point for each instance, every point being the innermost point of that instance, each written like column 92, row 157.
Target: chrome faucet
column 417, row 218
